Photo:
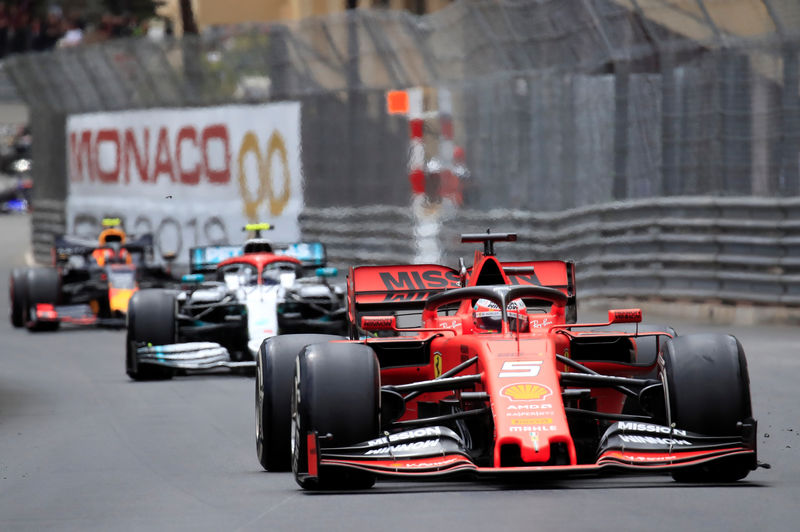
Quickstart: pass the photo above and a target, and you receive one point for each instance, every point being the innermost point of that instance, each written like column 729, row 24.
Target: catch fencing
column 561, row 111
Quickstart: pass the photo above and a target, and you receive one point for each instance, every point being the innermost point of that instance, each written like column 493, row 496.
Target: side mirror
column 378, row 323
column 626, row 315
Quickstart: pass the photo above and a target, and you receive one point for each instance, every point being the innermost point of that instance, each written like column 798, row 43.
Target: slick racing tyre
column 17, row 291
column 42, row 285
column 336, row 395
column 274, row 371
column 709, row 393
column 151, row 320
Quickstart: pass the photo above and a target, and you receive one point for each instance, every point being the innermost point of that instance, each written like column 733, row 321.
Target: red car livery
column 484, row 371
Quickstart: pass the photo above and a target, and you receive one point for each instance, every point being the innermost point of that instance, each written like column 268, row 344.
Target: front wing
column 78, row 314
column 435, row 452
column 189, row 355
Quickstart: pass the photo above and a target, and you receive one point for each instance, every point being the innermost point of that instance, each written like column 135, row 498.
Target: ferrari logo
column 437, row 365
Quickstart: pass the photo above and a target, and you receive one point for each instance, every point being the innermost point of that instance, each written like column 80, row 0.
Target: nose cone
column 118, row 299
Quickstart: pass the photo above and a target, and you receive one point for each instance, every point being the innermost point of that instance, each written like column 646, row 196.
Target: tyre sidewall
column 42, row 285
column 17, row 285
column 275, row 367
column 151, row 319
column 337, row 395
column 708, row 383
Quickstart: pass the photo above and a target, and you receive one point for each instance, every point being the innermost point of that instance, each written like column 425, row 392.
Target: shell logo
column 526, row 392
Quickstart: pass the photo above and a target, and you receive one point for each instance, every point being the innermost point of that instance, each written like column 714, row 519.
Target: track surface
column 84, row 448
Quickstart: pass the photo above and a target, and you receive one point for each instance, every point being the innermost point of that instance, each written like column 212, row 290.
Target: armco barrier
column 47, row 220
column 726, row 250
column 702, row 249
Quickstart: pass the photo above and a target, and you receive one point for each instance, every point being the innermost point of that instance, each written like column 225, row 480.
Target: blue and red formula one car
column 90, row 282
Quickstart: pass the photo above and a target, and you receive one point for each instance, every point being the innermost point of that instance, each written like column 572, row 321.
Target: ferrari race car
column 234, row 299
column 497, row 378
column 89, row 283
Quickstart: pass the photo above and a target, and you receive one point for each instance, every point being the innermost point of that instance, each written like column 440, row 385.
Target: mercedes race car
column 89, row 282
column 485, row 372
column 235, row 298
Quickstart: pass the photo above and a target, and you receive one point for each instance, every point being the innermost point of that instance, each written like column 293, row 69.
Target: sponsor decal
column 538, row 324
column 648, row 427
column 537, row 421
column 534, row 428
column 378, row 323
column 401, row 447
column 524, row 409
column 419, row 280
column 521, row 368
column 652, row 440
column 437, row 364
column 426, row 465
column 526, row 392
column 627, row 315
column 530, row 413
column 407, row 435
column 454, row 324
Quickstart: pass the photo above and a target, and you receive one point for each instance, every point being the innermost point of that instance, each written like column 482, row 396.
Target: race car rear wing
column 204, row 259
column 65, row 246
column 378, row 289
column 557, row 274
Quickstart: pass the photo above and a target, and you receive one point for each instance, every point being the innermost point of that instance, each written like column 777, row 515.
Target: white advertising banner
column 190, row 177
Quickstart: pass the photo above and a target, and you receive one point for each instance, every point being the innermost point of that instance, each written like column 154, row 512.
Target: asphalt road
column 84, row 448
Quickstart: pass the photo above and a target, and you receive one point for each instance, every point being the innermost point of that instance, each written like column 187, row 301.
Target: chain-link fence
column 556, row 104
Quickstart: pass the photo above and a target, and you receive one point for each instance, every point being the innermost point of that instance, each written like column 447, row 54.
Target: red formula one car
column 497, row 379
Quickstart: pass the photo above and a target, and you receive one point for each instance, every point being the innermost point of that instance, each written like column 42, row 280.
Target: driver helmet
column 488, row 316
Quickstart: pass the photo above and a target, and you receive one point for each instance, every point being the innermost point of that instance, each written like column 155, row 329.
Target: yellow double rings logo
column 275, row 146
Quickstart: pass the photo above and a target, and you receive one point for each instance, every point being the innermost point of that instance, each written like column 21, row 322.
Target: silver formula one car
column 235, row 298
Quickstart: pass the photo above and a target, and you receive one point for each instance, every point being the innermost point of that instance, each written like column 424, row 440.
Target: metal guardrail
column 730, row 250
column 726, row 251
column 47, row 220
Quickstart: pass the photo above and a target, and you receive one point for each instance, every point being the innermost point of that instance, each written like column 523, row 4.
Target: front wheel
column 17, row 291
column 336, row 394
column 42, row 286
column 151, row 320
column 708, row 389
column 274, row 371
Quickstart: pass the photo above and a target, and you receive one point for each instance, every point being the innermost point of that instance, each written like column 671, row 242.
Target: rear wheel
column 336, row 394
column 151, row 320
column 42, row 286
column 17, row 291
column 274, row 371
column 709, row 393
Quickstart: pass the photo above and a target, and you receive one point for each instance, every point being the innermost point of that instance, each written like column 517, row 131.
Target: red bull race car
column 89, row 282
column 485, row 372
